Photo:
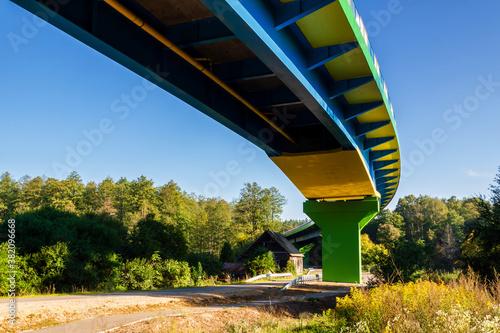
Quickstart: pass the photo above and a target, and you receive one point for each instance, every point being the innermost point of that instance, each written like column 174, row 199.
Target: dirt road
column 39, row 312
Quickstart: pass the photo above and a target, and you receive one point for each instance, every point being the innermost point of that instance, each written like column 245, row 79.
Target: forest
column 120, row 235
column 132, row 235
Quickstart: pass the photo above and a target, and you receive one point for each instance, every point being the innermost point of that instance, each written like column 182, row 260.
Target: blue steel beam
column 378, row 154
column 341, row 87
column 116, row 37
column 384, row 172
column 358, row 109
column 200, row 32
column 386, row 194
column 365, row 128
column 273, row 98
column 291, row 12
column 386, row 179
column 384, row 186
column 387, row 191
column 253, row 23
column 372, row 143
column 321, row 55
column 377, row 165
column 248, row 69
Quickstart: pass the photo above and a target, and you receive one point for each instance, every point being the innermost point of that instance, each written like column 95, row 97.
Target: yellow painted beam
column 328, row 175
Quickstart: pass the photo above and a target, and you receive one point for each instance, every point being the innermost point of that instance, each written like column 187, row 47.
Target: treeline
column 205, row 222
column 425, row 235
column 126, row 234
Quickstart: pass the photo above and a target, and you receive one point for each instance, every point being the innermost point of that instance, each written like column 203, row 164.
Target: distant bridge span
column 298, row 78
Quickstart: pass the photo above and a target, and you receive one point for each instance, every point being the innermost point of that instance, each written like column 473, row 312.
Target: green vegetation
column 226, row 253
column 124, row 235
column 290, row 268
column 464, row 306
column 425, row 235
column 260, row 261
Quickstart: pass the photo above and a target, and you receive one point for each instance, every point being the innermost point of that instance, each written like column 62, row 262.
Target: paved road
column 104, row 324
column 177, row 293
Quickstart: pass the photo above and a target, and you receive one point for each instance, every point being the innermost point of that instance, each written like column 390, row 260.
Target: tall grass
column 464, row 305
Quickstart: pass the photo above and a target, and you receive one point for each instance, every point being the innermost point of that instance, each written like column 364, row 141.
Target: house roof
column 281, row 240
column 233, row 267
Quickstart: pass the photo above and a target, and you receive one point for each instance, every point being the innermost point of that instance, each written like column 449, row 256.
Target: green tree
column 57, row 195
column 181, row 209
column 258, row 209
column 32, row 192
column 106, row 192
column 372, row 255
column 226, row 253
column 216, row 228
column 142, row 197
column 388, row 235
column 482, row 250
column 122, row 202
column 8, row 195
column 421, row 216
column 91, row 200
column 150, row 236
column 290, row 224
column 74, row 189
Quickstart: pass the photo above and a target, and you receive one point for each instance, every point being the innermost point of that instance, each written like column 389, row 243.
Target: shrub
column 51, row 263
column 137, row 274
column 290, row 268
column 466, row 305
column 372, row 255
column 211, row 264
column 260, row 261
column 197, row 274
column 174, row 273
column 27, row 279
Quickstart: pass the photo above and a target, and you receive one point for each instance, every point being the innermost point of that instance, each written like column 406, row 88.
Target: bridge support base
column 341, row 223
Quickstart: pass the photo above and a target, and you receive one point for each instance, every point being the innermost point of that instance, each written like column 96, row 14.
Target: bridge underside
column 297, row 78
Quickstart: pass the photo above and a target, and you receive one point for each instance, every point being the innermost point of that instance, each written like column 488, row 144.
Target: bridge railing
column 364, row 32
column 263, row 276
column 303, row 279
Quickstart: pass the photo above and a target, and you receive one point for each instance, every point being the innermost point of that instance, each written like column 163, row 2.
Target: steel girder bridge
column 298, row 78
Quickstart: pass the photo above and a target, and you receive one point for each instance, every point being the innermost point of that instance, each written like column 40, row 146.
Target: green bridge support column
column 341, row 223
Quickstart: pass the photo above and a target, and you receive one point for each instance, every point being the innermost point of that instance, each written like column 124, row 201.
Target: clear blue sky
column 434, row 58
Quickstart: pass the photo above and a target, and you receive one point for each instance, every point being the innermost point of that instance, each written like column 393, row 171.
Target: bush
column 51, row 263
column 27, row 279
column 197, row 274
column 67, row 250
column 372, row 255
column 174, row 274
column 137, row 274
column 211, row 264
column 408, row 262
column 290, row 268
column 260, row 261
column 464, row 306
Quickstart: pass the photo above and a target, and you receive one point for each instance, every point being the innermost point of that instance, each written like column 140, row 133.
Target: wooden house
column 282, row 249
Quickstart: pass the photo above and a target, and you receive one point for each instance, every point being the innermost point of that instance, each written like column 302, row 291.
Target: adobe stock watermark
column 373, row 25
column 11, row 273
column 122, row 107
column 454, row 118
column 221, row 179
column 31, row 26
column 381, row 19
